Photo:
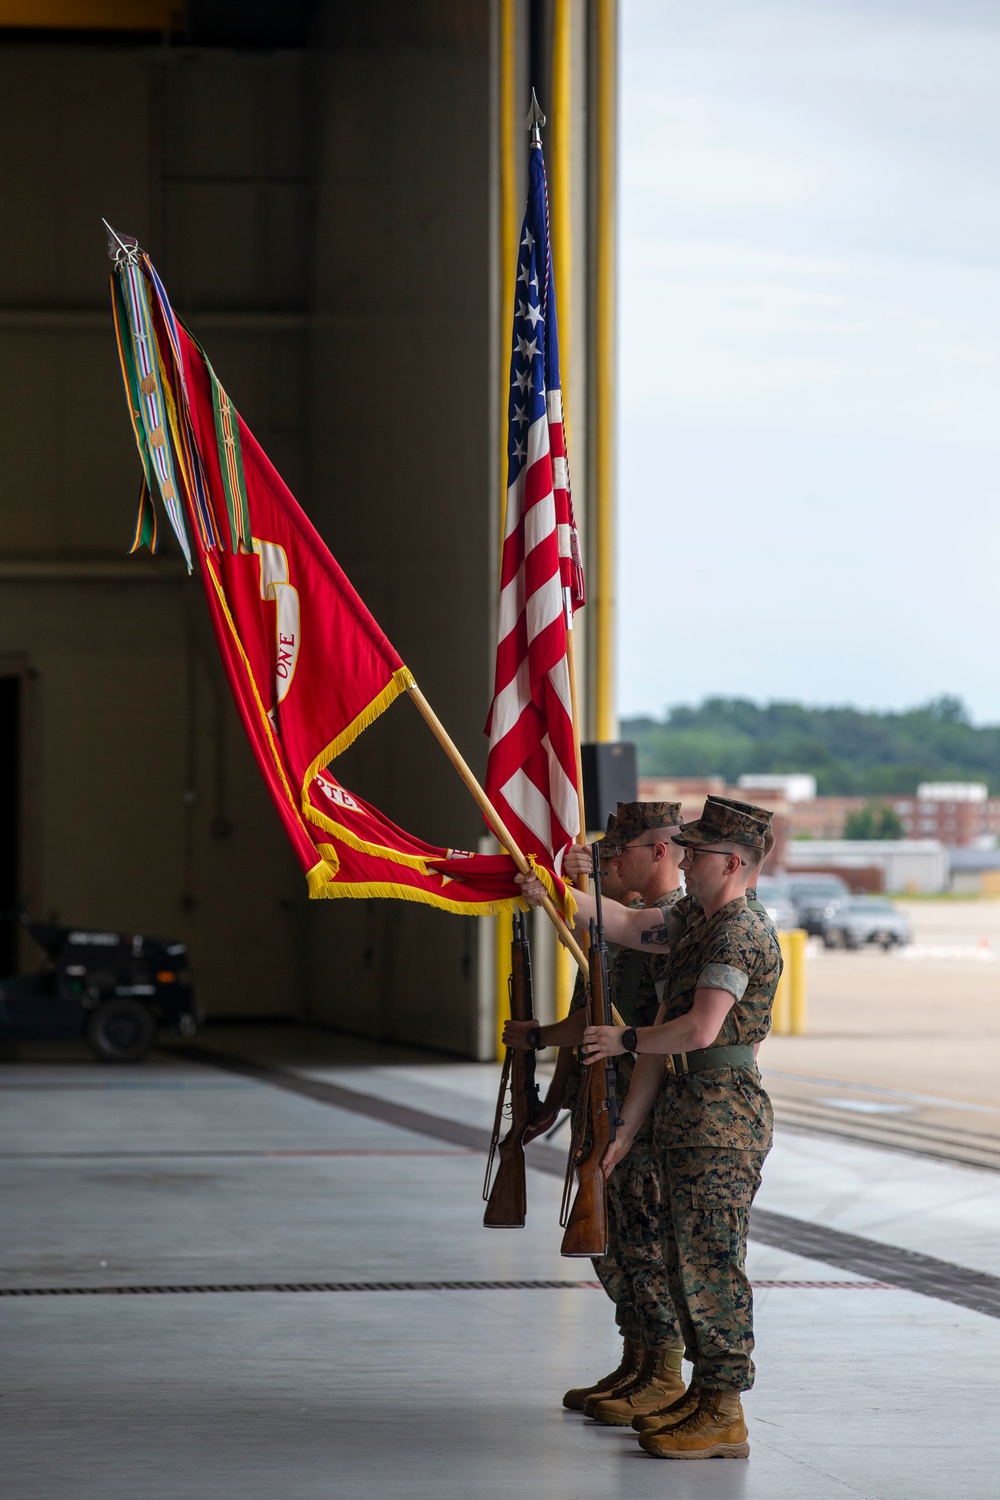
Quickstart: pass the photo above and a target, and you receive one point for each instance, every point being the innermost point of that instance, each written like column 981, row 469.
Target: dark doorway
column 10, row 785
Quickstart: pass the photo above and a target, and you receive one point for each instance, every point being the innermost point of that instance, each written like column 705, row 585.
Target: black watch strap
column 629, row 1040
column 535, row 1037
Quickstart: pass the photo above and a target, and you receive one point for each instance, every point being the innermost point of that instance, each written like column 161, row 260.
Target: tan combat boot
column 640, row 1372
column 631, row 1354
column 669, row 1416
column 662, row 1385
column 715, row 1429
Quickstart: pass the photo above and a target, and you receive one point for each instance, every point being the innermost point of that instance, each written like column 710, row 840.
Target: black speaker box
column 610, row 776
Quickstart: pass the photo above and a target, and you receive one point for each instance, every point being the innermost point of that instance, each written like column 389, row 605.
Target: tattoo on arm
column 656, row 937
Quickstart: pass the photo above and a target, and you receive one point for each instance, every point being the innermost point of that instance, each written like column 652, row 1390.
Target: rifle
column 596, row 1118
column 507, row 1201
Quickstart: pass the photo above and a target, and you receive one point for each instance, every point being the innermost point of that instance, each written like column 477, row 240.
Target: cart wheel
column 121, row 1031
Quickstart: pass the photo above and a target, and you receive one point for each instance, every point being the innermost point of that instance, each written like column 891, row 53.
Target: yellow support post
column 566, row 972
column 602, row 506
column 781, row 1010
column 510, row 136
column 560, row 183
column 797, row 982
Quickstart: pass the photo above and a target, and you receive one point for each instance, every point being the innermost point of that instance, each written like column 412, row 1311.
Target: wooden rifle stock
column 586, row 1223
column 507, row 1200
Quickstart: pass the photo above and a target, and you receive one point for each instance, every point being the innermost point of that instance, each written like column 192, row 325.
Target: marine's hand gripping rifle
column 506, row 1201
column 596, row 1119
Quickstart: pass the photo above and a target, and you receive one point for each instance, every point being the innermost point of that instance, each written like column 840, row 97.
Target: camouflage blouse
column 735, row 950
column 632, row 981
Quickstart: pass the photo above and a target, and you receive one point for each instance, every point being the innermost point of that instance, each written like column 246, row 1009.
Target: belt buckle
column 677, row 1064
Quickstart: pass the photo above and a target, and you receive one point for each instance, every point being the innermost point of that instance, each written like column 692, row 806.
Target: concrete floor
column 178, row 1175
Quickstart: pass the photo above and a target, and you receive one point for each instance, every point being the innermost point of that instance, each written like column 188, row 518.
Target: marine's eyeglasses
column 693, row 850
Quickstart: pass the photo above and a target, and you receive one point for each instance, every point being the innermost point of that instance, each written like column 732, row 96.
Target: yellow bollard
column 504, row 934
column 797, row 981
column 781, row 1009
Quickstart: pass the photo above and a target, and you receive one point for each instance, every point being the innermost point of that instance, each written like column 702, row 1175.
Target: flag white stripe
column 510, row 703
column 539, row 523
column 562, row 793
column 543, row 607
column 530, row 806
column 537, row 447
column 538, row 527
column 559, row 678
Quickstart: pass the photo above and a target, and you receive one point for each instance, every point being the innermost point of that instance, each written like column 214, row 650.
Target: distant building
column 797, row 787
column 975, row 872
column 823, row 817
column 956, row 812
column 691, row 791
column 918, row 865
column 960, row 814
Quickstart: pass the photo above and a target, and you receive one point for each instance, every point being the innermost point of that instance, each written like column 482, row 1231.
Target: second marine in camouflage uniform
column 632, row 1270
column 635, row 1188
column 712, row 1124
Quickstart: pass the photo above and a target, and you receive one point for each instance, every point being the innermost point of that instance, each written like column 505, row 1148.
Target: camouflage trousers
column 707, row 1193
column 632, row 1273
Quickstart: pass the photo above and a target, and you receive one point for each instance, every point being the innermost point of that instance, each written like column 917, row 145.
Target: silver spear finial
column 534, row 120
column 122, row 248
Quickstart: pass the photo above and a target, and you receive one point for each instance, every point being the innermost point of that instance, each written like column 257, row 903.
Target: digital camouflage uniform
column 632, row 1270
column 712, row 1131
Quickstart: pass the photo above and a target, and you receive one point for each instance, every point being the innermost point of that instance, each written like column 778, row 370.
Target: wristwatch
column 629, row 1040
column 534, row 1038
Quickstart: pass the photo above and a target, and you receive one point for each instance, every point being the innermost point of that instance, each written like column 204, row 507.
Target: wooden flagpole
column 493, row 818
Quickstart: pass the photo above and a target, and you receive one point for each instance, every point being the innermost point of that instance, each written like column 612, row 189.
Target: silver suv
column 866, row 919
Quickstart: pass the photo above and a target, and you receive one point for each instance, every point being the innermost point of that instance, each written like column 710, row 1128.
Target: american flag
column 531, row 772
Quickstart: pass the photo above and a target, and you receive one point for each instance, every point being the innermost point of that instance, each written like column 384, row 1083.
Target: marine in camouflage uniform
column 635, row 1188
column 713, row 1129
column 712, row 1119
column 631, row 1271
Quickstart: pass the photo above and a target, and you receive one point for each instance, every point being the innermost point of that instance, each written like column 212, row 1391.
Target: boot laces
column 701, row 1412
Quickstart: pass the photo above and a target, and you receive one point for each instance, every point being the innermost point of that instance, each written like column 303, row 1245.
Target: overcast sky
column 809, row 422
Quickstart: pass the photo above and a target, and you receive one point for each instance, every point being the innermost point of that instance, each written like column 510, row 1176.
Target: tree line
column 850, row 752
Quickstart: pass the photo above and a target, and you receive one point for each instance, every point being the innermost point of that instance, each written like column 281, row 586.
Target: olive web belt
column 736, row 1056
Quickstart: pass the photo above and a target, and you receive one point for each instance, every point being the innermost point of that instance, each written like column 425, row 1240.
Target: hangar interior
column 332, row 193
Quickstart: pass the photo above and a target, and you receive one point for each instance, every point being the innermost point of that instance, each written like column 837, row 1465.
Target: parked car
column 113, row 989
column 813, row 896
column 776, row 898
column 866, row 919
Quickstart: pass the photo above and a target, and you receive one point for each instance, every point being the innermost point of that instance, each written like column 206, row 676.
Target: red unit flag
column 308, row 665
